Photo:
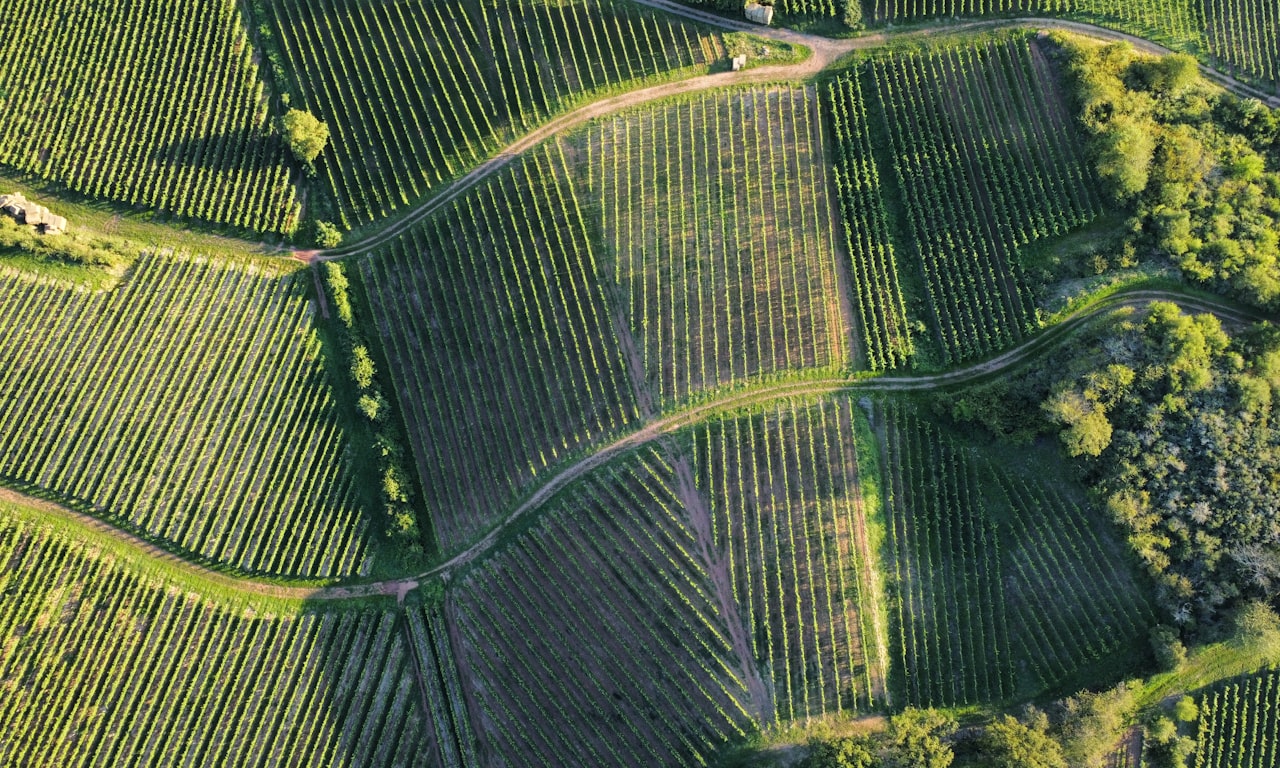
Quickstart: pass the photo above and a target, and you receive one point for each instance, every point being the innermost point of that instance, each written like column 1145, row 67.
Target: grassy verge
column 223, row 587
column 156, row 230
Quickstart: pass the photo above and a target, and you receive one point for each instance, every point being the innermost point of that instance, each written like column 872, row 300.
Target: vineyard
column 1002, row 585
column 873, row 267
column 789, row 530
column 500, row 341
column 153, row 104
column 1174, row 21
column 100, row 665
column 1239, row 725
column 597, row 637
column 1246, row 35
column 413, row 93
column 188, row 404
column 985, row 161
column 716, row 213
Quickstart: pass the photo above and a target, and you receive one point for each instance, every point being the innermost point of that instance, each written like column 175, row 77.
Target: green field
column 414, row 93
column 133, row 123
column 716, row 237
column 589, row 401
column 101, row 664
column 189, row 404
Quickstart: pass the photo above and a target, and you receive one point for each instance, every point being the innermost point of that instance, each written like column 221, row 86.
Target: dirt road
column 825, row 53
column 654, row 430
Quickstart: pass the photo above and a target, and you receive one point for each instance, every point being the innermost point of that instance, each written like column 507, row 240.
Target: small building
column 760, row 14
column 739, row 62
column 24, row 211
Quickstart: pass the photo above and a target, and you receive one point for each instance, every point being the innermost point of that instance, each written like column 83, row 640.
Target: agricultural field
column 102, row 664
column 598, row 637
column 790, row 532
column 718, row 418
column 1245, row 34
column 985, row 162
column 414, row 93
column 1002, row 586
column 1239, row 724
column 157, row 105
column 503, row 350
column 189, row 404
column 716, row 234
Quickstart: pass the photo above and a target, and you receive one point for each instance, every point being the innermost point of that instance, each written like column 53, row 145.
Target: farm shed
column 760, row 14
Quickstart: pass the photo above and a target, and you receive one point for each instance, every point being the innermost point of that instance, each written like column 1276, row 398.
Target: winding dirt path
column 824, row 53
column 654, row 430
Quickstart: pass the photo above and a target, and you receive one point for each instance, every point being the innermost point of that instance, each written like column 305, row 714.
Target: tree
column 1088, row 432
column 916, row 739
column 849, row 752
column 1124, row 151
column 853, row 14
column 361, row 367
column 1009, row 743
column 307, row 136
column 328, row 235
column 1167, row 648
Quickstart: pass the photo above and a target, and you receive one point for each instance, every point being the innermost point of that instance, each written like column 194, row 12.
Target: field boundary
column 825, row 53
column 665, row 425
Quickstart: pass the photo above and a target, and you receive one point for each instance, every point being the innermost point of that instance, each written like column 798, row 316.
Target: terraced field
column 677, row 509
column 985, row 161
column 598, row 637
column 1239, row 724
column 189, row 404
column 1003, row 586
column 501, row 342
column 789, row 532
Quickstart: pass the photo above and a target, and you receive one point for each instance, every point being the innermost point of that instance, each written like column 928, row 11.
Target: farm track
column 666, row 425
column 824, row 53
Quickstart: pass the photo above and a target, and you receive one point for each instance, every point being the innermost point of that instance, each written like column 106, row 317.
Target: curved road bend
column 825, row 52
column 646, row 434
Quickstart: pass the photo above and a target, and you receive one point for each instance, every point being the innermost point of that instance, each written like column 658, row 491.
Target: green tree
column 1008, row 743
column 1087, row 431
column 1124, row 151
column 918, row 738
column 306, row 135
column 848, row 752
column 361, row 367
column 328, row 235
column 1186, row 711
column 853, row 14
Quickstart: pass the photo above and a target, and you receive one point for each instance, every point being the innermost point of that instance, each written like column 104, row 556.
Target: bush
column 1186, row 711
column 1167, row 648
column 338, row 286
column 361, row 367
column 853, row 14
column 373, row 406
column 328, row 235
column 856, row 752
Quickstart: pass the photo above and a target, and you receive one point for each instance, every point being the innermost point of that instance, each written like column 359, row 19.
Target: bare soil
column 718, row 569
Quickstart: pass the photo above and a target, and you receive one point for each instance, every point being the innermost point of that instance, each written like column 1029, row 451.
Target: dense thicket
column 1172, row 421
column 1196, row 169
